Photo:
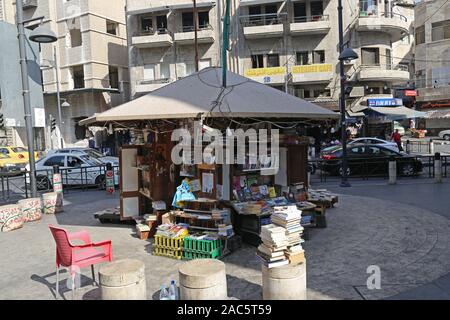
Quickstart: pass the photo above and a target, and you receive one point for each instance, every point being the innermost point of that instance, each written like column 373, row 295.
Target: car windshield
column 19, row 149
column 91, row 161
column 93, row 153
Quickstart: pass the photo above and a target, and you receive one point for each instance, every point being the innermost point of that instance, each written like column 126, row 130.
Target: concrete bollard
column 31, row 209
column 392, row 171
column 431, row 146
column 11, row 218
column 58, row 189
column 203, row 279
column 123, row 280
column 284, row 283
column 408, row 146
column 438, row 168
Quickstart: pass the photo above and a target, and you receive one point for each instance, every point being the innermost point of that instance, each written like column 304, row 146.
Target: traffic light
column 2, row 121
column 52, row 124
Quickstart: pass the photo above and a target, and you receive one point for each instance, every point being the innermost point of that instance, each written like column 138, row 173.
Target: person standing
column 397, row 138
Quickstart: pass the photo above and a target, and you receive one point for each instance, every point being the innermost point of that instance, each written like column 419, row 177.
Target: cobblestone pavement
column 409, row 244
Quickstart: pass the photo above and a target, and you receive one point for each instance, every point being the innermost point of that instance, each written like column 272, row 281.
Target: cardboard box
column 168, row 218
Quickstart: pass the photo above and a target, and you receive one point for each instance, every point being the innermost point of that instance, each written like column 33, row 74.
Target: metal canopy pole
column 226, row 42
column 26, row 96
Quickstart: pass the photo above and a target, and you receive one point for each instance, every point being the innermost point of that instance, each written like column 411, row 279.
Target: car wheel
column 100, row 181
column 43, row 183
column 408, row 170
column 447, row 137
column 341, row 172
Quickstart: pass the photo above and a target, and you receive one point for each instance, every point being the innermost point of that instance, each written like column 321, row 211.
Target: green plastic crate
column 201, row 249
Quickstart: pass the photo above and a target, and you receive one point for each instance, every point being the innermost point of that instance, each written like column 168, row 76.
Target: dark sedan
column 369, row 160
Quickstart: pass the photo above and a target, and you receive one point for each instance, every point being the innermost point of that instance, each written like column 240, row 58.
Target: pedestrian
column 397, row 138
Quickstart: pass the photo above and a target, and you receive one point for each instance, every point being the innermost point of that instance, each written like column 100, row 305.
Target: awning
column 438, row 114
column 255, row 2
column 186, row 5
column 397, row 112
column 148, row 10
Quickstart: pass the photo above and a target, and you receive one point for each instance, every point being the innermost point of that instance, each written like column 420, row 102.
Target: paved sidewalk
column 409, row 244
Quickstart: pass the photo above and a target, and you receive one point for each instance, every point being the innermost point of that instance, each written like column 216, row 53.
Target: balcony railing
column 200, row 28
column 374, row 14
column 154, row 81
column 262, row 19
column 388, row 66
column 151, row 32
column 299, row 19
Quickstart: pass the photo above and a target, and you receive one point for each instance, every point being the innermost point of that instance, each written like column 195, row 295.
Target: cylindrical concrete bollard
column 31, row 209
column 431, row 146
column 11, row 218
column 123, row 280
column 437, row 168
column 49, row 201
column 58, row 189
column 408, row 146
column 203, row 279
column 392, row 171
column 284, row 283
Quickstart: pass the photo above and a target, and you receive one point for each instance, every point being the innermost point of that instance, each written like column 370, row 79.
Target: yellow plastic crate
column 169, row 243
column 174, row 254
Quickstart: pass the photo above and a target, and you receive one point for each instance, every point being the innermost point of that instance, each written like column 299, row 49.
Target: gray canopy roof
column 202, row 93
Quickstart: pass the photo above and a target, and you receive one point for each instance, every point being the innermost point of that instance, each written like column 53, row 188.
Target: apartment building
column 92, row 58
column 290, row 45
column 432, row 53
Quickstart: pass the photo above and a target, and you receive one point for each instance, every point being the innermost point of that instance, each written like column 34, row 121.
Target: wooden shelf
column 199, row 211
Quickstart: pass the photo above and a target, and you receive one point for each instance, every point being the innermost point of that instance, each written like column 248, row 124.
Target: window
column 319, row 56
column 388, row 59
column 375, row 151
column 78, row 77
column 4, row 151
column 273, row 60
column 190, row 68
column 113, row 77
column 316, row 10
column 75, row 38
column 300, row 12
column 370, row 56
column 112, row 27
column 302, row 58
column 55, row 161
column 147, row 24
column 271, row 8
column 372, row 90
column 187, row 21
column 74, row 162
column 257, row 61
column 420, row 35
column 161, row 24
column 440, row 30
column 164, row 71
column 368, row 8
column 203, row 20
column 405, row 39
column 149, row 72
column 322, row 93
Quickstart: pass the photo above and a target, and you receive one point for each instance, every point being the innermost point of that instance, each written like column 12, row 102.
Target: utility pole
column 26, row 96
column 197, row 69
column 58, row 96
column 226, row 42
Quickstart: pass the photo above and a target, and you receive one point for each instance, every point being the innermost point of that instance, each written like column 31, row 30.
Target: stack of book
column 289, row 217
column 223, row 215
column 272, row 250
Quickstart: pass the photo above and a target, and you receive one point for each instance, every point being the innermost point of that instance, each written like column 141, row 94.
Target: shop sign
column 265, row 72
column 384, row 102
column 313, row 68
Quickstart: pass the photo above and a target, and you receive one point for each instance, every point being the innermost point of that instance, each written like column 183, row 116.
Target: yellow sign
column 313, row 68
column 262, row 72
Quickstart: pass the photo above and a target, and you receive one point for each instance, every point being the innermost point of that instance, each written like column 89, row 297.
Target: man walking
column 397, row 138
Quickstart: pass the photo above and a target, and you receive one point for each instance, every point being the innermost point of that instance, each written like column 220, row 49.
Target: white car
column 445, row 135
column 376, row 141
column 92, row 153
column 76, row 169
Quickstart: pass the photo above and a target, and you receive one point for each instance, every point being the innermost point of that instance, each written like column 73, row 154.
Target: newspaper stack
column 272, row 250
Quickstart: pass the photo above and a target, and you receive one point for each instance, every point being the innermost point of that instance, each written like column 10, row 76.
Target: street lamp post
column 344, row 55
column 58, row 97
column 40, row 35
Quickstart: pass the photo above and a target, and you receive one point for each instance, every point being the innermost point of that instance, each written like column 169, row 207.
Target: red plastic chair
column 75, row 257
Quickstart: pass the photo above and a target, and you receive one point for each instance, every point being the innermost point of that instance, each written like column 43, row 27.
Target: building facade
column 432, row 52
column 290, row 45
column 91, row 55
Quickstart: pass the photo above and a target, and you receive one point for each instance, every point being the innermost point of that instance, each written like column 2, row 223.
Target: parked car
column 17, row 156
column 372, row 141
column 445, row 135
column 368, row 159
column 76, row 169
column 7, row 164
column 89, row 152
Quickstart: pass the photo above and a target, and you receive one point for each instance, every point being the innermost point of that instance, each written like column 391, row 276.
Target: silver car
column 92, row 153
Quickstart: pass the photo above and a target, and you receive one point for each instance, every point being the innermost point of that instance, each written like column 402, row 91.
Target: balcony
column 146, row 86
column 262, row 25
column 205, row 34
column 274, row 75
column 313, row 73
column 151, row 39
column 394, row 24
column 383, row 73
column 310, row 25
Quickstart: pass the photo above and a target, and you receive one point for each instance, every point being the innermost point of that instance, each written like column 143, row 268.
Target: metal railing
column 151, row 32
column 200, row 28
column 299, row 19
column 15, row 185
column 374, row 14
column 154, row 81
column 267, row 19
